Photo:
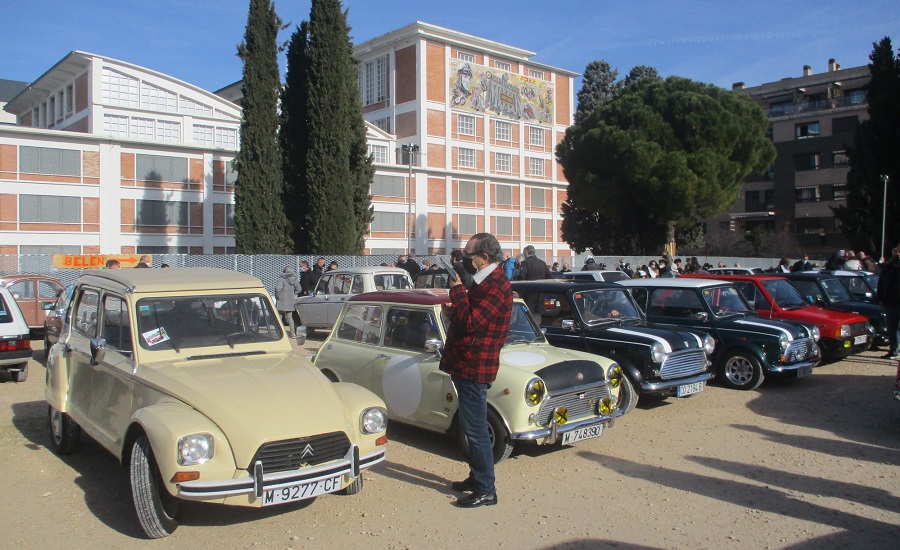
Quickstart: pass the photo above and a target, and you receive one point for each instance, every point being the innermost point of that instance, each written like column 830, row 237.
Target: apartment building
column 813, row 119
column 476, row 123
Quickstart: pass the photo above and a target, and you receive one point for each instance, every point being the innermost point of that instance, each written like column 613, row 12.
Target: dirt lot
column 808, row 463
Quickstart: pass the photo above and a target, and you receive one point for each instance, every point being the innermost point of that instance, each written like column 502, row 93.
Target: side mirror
column 98, row 350
column 46, row 306
column 702, row 316
column 434, row 346
column 301, row 335
column 568, row 324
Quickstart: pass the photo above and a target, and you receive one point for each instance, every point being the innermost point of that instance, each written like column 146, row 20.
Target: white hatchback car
column 15, row 343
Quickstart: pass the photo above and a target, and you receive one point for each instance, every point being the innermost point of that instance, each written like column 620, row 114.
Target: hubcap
column 739, row 370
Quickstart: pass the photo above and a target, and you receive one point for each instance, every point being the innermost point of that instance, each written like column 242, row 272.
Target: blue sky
column 710, row 41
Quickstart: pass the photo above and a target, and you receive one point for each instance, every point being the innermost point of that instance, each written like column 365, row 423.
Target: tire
column 354, row 487
column 502, row 446
column 155, row 508
column 64, row 432
column 740, row 370
column 46, row 346
column 22, row 375
column 628, row 396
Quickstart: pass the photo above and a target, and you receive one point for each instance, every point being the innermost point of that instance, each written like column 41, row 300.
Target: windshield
column 200, row 321
column 604, row 304
column 522, row 327
column 835, row 290
column 391, row 281
column 784, row 294
column 725, row 300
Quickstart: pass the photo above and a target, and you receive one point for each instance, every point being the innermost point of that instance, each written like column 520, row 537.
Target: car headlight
column 709, row 344
column 814, row 333
column 195, row 449
column 606, row 406
column 657, row 352
column 844, row 331
column 614, row 375
column 373, row 420
column 535, row 391
column 784, row 341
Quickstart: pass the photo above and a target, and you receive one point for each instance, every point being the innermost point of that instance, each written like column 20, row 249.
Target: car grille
column 799, row 350
column 858, row 328
column 579, row 403
column 683, row 363
column 278, row 456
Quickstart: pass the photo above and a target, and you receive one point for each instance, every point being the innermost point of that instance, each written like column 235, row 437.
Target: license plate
column 300, row 491
column 581, row 434
column 690, row 389
column 805, row 371
column 861, row 339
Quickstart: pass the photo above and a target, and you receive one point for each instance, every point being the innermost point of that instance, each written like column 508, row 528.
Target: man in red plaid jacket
column 479, row 321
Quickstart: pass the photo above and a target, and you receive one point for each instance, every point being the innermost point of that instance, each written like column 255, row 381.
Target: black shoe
column 475, row 500
column 890, row 356
column 466, row 485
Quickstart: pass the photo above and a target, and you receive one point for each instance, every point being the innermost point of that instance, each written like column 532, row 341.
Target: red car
column 841, row 334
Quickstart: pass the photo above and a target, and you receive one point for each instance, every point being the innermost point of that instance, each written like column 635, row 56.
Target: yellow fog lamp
column 605, row 406
column 561, row 415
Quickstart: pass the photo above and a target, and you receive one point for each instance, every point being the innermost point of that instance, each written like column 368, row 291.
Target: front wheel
column 501, row 444
column 155, row 508
column 628, row 396
column 740, row 370
column 64, row 432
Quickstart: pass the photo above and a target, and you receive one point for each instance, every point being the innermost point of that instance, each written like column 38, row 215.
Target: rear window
column 5, row 313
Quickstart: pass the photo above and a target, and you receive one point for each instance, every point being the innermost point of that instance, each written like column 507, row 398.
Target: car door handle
column 382, row 356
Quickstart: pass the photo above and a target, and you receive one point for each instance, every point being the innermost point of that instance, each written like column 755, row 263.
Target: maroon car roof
column 418, row 296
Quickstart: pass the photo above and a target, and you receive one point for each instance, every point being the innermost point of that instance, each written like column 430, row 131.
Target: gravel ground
column 799, row 463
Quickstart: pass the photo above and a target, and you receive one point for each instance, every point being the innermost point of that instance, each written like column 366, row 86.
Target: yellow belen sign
column 94, row 261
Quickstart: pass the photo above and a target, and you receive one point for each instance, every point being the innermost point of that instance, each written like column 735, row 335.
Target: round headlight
column 561, row 415
column 535, row 391
column 814, row 333
column 374, row 420
column 657, row 352
column 195, row 449
column 614, row 375
column 709, row 344
column 784, row 341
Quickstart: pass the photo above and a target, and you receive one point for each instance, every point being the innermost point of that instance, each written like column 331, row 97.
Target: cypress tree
column 294, row 136
column 260, row 224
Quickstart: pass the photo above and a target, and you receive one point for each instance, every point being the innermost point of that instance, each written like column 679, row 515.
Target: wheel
column 354, row 487
column 628, row 397
column 64, row 432
column 21, row 375
column 155, row 508
column 740, row 370
column 46, row 346
column 500, row 442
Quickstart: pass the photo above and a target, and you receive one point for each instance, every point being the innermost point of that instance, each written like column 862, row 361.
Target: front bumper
column 839, row 348
column 779, row 368
column 551, row 434
column 252, row 485
column 667, row 385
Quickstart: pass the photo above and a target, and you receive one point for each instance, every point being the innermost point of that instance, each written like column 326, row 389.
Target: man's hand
column 454, row 282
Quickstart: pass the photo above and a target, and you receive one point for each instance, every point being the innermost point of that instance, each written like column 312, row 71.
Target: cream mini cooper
column 186, row 376
column 391, row 341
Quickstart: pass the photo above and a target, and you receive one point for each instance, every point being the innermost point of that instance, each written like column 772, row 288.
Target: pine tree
column 261, row 226
column 328, row 192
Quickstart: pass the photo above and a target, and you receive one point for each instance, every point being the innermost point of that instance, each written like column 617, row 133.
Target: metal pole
column 409, row 222
column 884, row 180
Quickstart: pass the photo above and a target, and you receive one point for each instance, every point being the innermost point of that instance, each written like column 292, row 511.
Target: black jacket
column 889, row 283
column 534, row 269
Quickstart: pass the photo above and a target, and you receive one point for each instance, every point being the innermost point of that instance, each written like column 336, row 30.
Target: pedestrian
column 533, row 268
column 679, row 268
column 144, row 263
column 784, row 266
column 456, row 260
column 851, row 262
column 411, row 266
column 590, row 264
column 889, row 298
column 653, row 269
column 802, row 264
column 315, row 274
column 664, row 271
column 625, row 268
column 112, row 264
column 478, row 323
column 836, row 261
column 565, row 267
column 286, row 290
column 332, row 266
column 304, row 278
column 866, row 261
column 555, row 267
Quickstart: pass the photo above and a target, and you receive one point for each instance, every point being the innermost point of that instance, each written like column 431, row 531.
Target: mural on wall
column 480, row 89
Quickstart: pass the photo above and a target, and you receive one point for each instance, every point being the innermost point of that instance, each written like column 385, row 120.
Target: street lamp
column 884, row 180
column 409, row 154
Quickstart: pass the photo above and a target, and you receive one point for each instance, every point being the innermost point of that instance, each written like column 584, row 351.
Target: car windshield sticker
column 155, row 336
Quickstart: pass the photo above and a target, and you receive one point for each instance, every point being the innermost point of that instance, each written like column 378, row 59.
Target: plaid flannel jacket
column 479, row 321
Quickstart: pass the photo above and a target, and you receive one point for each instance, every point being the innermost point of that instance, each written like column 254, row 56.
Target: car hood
column 862, row 308
column 530, row 358
column 821, row 316
column 644, row 333
column 254, row 399
column 772, row 327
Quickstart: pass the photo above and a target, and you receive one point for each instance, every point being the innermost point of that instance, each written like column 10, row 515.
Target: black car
column 748, row 347
column 827, row 290
column 862, row 285
column 602, row 318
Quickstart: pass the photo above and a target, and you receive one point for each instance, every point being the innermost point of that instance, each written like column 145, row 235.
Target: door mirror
column 46, row 306
column 434, row 346
column 568, row 324
column 702, row 316
column 98, row 350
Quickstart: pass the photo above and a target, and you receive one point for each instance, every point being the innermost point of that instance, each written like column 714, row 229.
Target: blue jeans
column 892, row 321
column 473, row 419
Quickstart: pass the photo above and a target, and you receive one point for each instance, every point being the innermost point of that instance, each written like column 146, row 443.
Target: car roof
column 722, row 277
column 844, row 272
column 810, row 275
column 589, row 271
column 417, row 296
column 561, row 284
column 672, row 283
column 171, row 279
column 368, row 269
column 5, row 279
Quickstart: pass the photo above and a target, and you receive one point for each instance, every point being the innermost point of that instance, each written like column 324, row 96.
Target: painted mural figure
column 463, row 83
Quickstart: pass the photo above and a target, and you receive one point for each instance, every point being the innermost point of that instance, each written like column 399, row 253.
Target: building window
column 116, row 126
column 807, row 130
column 148, row 212
column 504, row 226
column 840, row 192
column 49, row 249
column 203, row 135
column 36, row 117
column 468, row 224
column 468, row 192
column 538, row 228
column 504, row 195
column 502, row 131
column 229, row 216
column 388, row 221
column 856, row 97
column 379, row 153
column 466, row 158
column 190, row 107
column 51, row 110
column 465, row 125
column 119, row 89
column 160, row 168
column 389, row 186
column 808, row 194
column 536, row 136
column 463, row 56
column 384, row 124
column 143, row 128
column 226, row 138
column 840, row 158
column 168, row 131
column 809, row 161
column 536, row 74
column 70, row 98
column 231, row 175
column 157, row 99
column 503, row 162
column 49, row 209
column 502, row 66
column 46, row 160
column 536, row 167
column 538, row 198
column 375, row 85
column 759, row 200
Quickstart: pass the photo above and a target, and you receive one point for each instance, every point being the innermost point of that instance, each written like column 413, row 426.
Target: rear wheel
column 501, row 443
column 64, row 432
column 155, row 508
column 740, row 370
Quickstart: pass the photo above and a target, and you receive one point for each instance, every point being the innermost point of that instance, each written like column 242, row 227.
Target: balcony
column 784, row 109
